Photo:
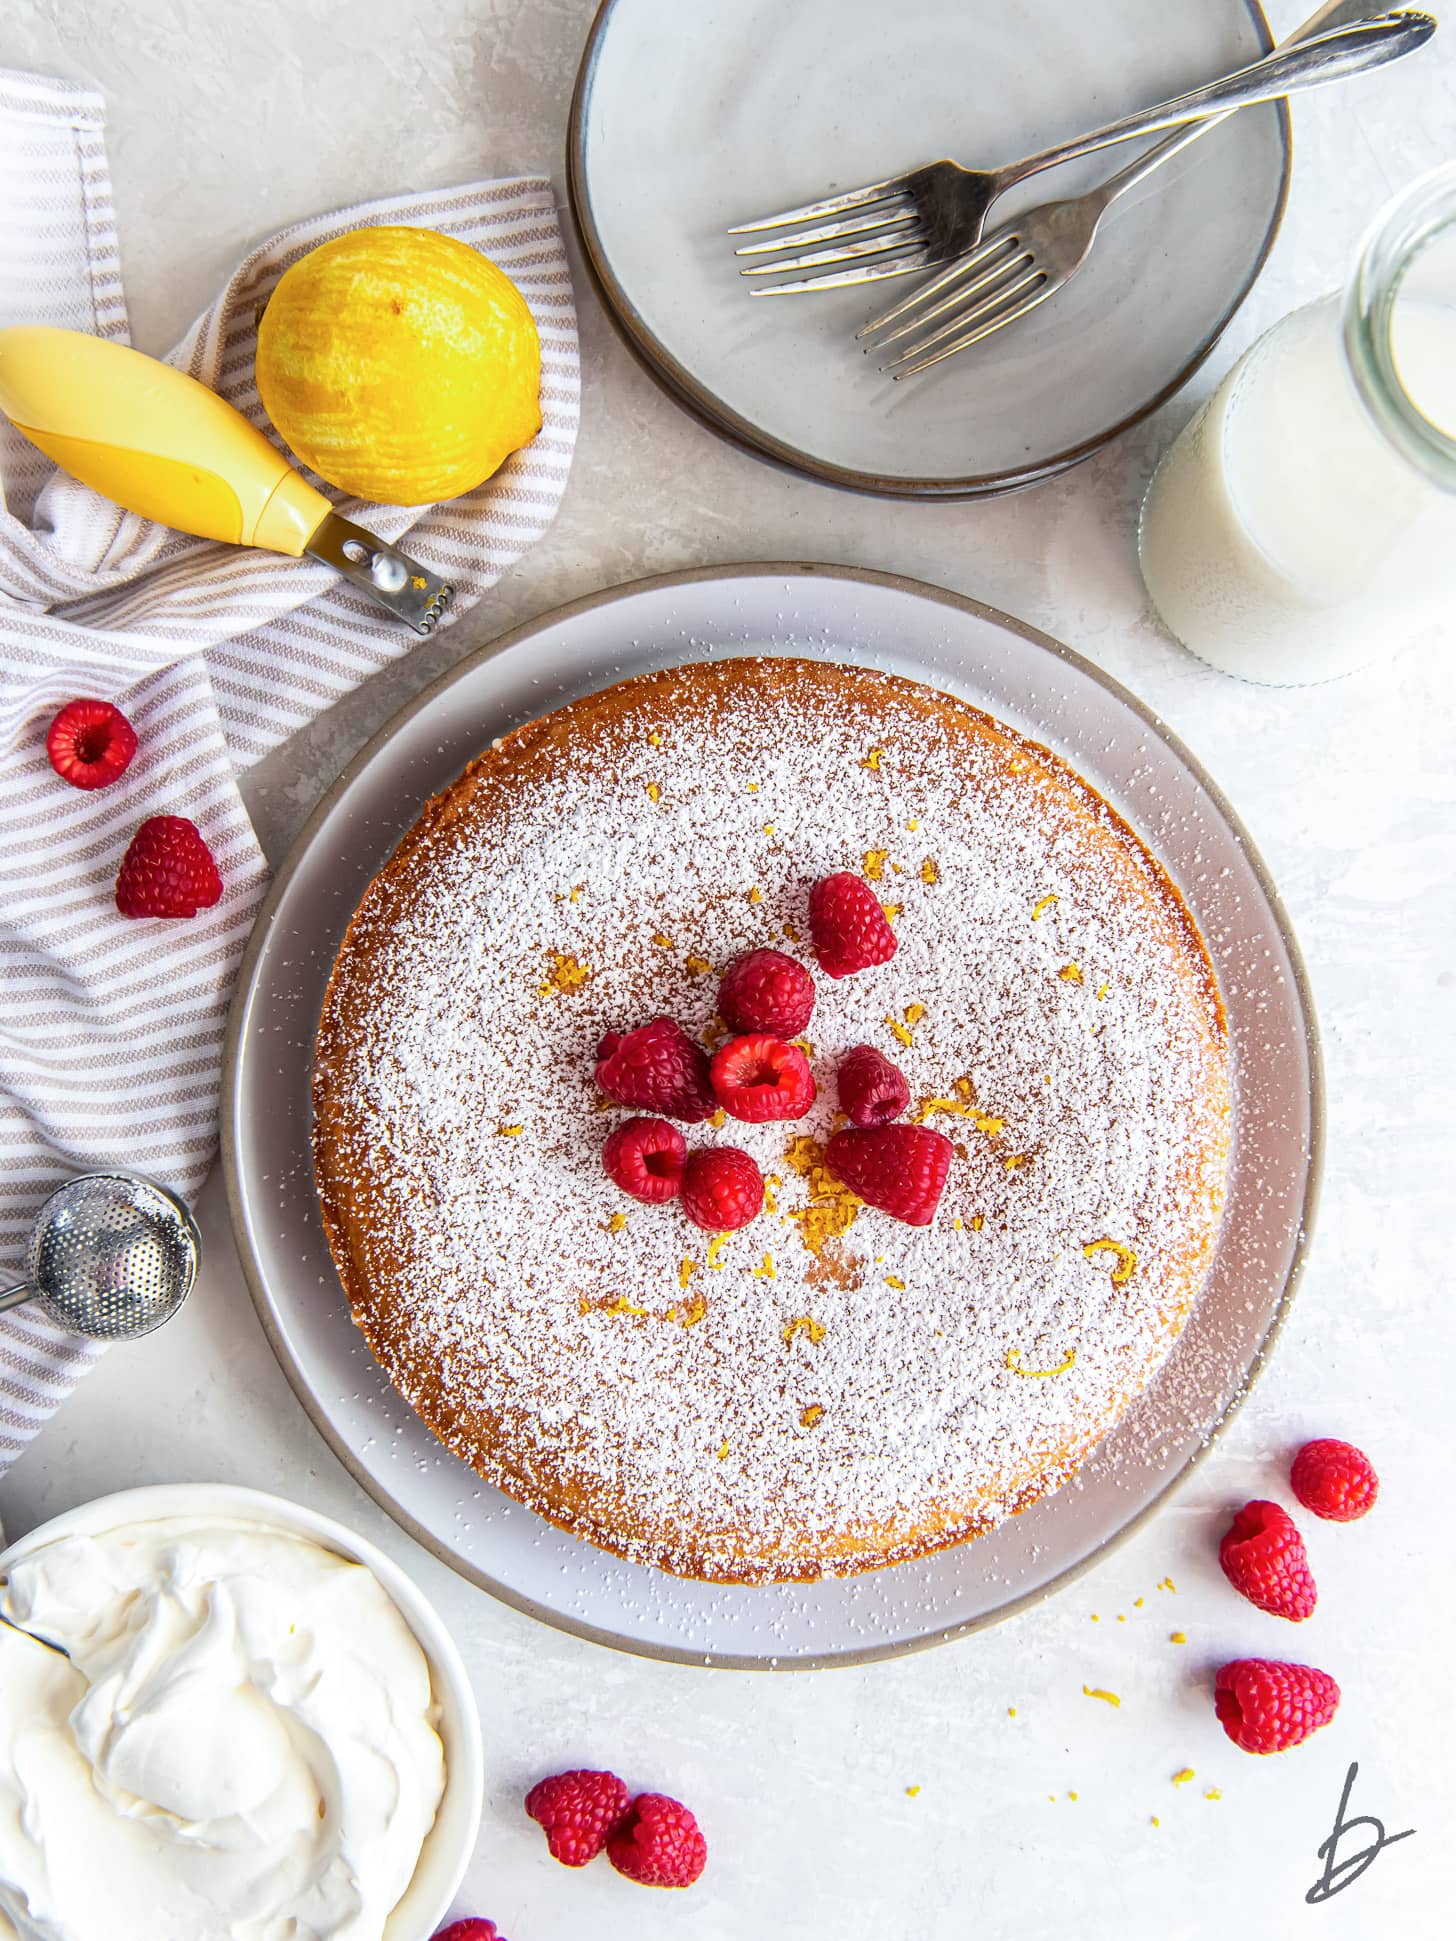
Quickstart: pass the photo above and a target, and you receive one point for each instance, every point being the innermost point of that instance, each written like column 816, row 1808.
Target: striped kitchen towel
column 111, row 1030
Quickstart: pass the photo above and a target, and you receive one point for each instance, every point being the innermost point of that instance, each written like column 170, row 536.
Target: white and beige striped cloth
column 111, row 1030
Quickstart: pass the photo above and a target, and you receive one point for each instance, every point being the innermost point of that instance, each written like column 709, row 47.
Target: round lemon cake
column 826, row 1389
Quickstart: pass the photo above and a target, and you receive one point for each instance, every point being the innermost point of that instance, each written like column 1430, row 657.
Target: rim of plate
column 232, row 1066
column 680, row 384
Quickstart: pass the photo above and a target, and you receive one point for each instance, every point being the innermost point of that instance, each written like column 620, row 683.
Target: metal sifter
column 111, row 1256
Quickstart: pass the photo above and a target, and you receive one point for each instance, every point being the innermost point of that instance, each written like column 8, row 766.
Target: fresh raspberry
column 645, row 1158
column 764, row 990
column 90, row 743
column 850, row 930
column 872, row 1091
column 470, row 1930
column 1262, row 1554
column 759, row 1078
column 167, row 871
column 658, row 1844
column 659, row 1068
column 1334, row 1480
column 1265, row 1706
column 721, row 1189
column 900, row 1169
column 578, row 1810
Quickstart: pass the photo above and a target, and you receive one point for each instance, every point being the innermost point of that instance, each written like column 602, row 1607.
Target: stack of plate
column 676, row 134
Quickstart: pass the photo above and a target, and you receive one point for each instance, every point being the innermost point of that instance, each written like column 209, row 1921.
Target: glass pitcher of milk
column 1304, row 522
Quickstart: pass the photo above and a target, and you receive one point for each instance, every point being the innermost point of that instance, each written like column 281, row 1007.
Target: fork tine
column 900, row 210
column 847, row 252
column 953, row 270
column 1030, row 279
column 996, row 299
column 983, row 330
column 993, row 283
column 924, row 258
column 834, row 205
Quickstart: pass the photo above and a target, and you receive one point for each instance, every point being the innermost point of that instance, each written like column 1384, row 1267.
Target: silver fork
column 1018, row 266
column 931, row 215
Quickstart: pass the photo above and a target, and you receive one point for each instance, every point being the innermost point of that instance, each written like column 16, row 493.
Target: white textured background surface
column 230, row 119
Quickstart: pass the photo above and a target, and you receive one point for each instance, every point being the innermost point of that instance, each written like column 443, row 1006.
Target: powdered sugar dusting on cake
column 825, row 1388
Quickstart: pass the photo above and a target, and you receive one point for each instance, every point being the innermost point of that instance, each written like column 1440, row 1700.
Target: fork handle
column 1329, row 57
column 1333, row 14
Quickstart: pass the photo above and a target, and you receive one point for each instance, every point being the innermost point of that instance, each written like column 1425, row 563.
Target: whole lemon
column 399, row 364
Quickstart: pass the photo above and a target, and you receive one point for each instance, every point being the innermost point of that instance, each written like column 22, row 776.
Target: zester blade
column 411, row 592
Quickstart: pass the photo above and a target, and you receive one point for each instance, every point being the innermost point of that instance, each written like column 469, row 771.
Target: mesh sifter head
column 113, row 1256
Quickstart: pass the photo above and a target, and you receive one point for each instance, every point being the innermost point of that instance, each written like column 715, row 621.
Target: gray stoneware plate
column 688, row 119
column 840, row 614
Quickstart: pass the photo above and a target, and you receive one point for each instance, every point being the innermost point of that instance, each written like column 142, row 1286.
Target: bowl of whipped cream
column 225, row 1716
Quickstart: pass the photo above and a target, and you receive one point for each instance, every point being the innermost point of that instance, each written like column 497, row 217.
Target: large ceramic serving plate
column 836, row 614
column 676, row 134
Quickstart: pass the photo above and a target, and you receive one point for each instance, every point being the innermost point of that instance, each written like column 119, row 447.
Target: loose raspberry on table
column 1334, row 1480
column 1262, row 1555
column 657, row 1068
column 765, row 990
column 850, row 930
column 167, row 871
column 645, row 1158
column 758, row 1078
column 577, row 1811
column 473, row 1929
column 90, row 743
column 872, row 1091
column 658, row 1844
column 1265, row 1706
column 900, row 1169
column 722, row 1189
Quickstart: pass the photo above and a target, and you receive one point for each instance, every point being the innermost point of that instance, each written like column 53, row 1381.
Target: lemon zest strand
column 1127, row 1260
column 1013, row 1362
column 805, row 1324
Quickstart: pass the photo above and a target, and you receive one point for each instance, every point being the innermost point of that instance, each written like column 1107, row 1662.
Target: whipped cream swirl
column 242, row 1746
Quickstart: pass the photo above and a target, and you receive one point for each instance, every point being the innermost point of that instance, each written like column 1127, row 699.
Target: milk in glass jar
column 1304, row 523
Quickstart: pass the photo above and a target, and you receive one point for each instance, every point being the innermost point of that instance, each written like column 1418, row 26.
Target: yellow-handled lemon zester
column 160, row 444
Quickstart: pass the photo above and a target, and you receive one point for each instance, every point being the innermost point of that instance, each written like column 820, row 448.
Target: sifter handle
column 14, row 1296
column 153, row 440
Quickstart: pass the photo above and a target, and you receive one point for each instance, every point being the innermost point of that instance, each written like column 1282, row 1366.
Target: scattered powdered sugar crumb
column 743, row 1405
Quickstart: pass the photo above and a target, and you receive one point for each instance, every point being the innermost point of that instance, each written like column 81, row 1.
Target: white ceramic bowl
column 451, row 1841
